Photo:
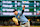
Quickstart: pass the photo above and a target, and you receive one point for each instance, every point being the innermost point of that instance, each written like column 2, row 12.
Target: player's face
column 16, row 12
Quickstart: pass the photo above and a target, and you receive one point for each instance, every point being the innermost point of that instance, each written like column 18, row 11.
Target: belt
column 24, row 23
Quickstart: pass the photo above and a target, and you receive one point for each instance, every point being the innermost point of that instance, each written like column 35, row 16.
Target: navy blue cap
column 15, row 10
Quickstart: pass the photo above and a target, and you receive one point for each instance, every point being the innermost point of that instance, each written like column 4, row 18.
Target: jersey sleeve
column 21, row 12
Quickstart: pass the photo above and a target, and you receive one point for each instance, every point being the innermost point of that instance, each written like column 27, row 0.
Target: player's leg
column 27, row 24
column 22, row 25
column 15, row 20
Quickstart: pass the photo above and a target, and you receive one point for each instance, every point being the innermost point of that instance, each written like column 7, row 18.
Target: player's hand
column 17, row 24
column 23, row 7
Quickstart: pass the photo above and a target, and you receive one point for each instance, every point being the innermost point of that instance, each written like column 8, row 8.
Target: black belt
column 24, row 23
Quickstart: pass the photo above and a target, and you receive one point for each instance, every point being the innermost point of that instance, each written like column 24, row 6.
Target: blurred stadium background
column 32, row 11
